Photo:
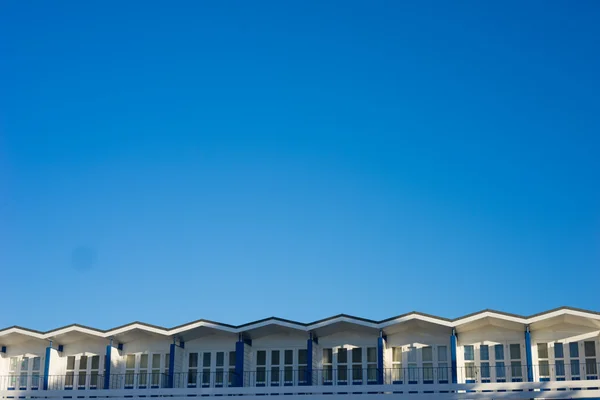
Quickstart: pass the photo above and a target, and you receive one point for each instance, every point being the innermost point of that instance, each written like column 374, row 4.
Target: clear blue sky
column 170, row 161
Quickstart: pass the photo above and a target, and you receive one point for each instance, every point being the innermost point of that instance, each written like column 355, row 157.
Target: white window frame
column 22, row 374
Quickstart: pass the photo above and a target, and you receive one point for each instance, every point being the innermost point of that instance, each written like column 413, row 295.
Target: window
column 231, row 379
column 469, row 353
column 302, row 366
column 372, row 364
column 357, row 370
column 574, row 354
column 589, row 350
column 69, row 377
column 94, row 371
column 442, row 364
column 261, row 367
column 327, row 366
column 515, row 364
column 155, row 378
column 558, row 350
column 275, row 361
column 35, row 372
column 397, row 365
column 83, row 361
column 192, row 370
column 143, row 371
column 543, row 363
column 559, row 363
column 288, row 367
column 24, row 371
column 413, row 372
column 206, row 364
column 220, row 368
column 484, row 352
column 342, row 366
column 129, row 370
column 427, row 358
column 499, row 352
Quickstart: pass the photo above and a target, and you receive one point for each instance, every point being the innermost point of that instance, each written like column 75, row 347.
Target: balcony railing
column 301, row 377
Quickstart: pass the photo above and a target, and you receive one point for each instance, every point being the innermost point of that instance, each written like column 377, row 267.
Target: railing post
column 380, row 354
column 528, row 354
column 453, row 344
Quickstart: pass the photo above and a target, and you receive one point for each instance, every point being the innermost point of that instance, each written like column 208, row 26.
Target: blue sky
column 167, row 162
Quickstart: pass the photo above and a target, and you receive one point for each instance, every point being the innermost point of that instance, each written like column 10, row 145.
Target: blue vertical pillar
column 47, row 367
column 240, row 348
column 453, row 356
column 528, row 355
column 380, row 350
column 171, row 372
column 309, row 359
column 107, row 365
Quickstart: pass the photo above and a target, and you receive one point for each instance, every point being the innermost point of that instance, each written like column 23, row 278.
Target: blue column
column 47, row 367
column 171, row 376
column 107, row 365
column 239, row 362
column 453, row 356
column 380, row 349
column 528, row 354
column 309, row 359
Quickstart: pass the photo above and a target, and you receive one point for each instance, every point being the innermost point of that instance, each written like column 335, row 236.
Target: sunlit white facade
column 554, row 354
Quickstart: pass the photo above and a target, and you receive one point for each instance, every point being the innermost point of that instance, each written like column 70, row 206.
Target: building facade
column 415, row 354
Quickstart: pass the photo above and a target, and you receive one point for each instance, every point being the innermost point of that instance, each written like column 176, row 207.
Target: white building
column 488, row 354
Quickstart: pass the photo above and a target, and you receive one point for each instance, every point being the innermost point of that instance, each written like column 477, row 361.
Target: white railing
column 508, row 390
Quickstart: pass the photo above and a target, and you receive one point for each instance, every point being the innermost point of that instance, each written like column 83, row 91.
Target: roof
column 302, row 326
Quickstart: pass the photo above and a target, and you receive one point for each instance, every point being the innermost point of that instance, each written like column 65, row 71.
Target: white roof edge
column 25, row 332
column 342, row 319
column 564, row 311
column 272, row 321
column 147, row 328
column 200, row 324
column 80, row 329
column 412, row 316
column 486, row 314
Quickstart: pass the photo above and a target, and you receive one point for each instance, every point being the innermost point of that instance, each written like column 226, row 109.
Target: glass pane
column 288, row 375
column 260, row 374
column 590, row 366
column 427, row 354
column 231, row 358
column 261, row 357
column 428, row 372
column 143, row 377
column 515, row 351
column 288, row 357
column 397, row 354
column 81, row 380
column 274, row 357
column 589, row 349
column 357, row 355
column 443, row 371
column 485, row 369
column 155, row 361
column 442, row 353
column 193, row 360
column 327, row 356
column 357, row 374
column 499, row 352
column 516, row 369
column 542, row 350
column 302, row 357
column 36, row 363
column 69, row 378
column 129, row 378
column 484, row 352
column 192, row 376
column 500, row 370
column 220, row 358
column 342, row 356
column 560, row 368
column 573, row 350
column 544, row 368
column 371, row 354
column 95, row 362
column 13, row 363
column 342, row 373
column 412, row 354
column 397, row 373
column 83, row 362
column 469, row 353
column 470, row 370
column 167, row 361
column 94, row 379
column 155, row 378
column 574, row 367
column 24, row 364
column 206, row 359
column 144, row 361
column 558, row 350
column 130, row 362
column 71, row 363
column 274, row 374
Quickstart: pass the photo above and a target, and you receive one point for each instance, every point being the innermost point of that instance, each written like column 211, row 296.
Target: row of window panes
column 203, row 375
column 27, row 370
column 271, row 369
column 429, row 370
column 470, row 370
column 589, row 350
column 342, row 364
column 138, row 375
column 86, row 367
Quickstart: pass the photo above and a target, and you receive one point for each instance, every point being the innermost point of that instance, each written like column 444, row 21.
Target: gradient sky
column 170, row 161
